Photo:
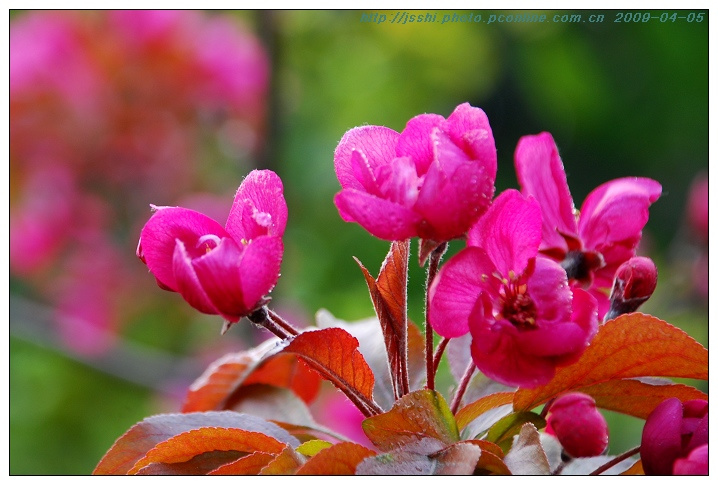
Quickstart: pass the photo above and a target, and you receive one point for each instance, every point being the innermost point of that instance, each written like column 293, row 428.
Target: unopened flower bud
column 673, row 430
column 634, row 283
column 580, row 428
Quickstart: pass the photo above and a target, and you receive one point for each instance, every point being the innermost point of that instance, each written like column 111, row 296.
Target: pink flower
column 634, row 284
column 580, row 428
column 433, row 180
column 523, row 317
column 226, row 271
column 672, row 431
column 590, row 247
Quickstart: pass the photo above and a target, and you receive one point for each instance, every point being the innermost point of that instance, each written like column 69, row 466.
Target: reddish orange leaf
column 636, row 398
column 143, row 436
column 340, row 459
column 215, row 388
column 472, row 411
column 286, row 463
column 290, row 372
column 201, row 464
column 247, row 465
column 388, row 294
column 491, row 462
column 632, row 345
column 420, row 422
column 189, row 444
column 334, row 353
column 210, row 391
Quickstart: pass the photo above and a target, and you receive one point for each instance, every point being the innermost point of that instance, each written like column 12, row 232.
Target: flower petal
column 259, row 207
column 496, row 353
column 219, row 275
column 661, row 439
column 509, row 232
column 469, row 128
column 548, row 288
column 188, row 284
column 377, row 143
column 259, row 269
column 382, row 218
column 455, row 290
column 416, row 140
column 603, row 219
column 540, row 173
column 456, row 191
column 158, row 239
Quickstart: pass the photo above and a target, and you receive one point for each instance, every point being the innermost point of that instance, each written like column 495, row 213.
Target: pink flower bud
column 634, row 283
column 672, row 432
column 580, row 428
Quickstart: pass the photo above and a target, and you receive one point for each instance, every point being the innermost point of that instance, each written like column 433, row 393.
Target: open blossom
column 523, row 317
column 432, row 180
column 673, row 431
column 580, row 428
column 590, row 247
column 220, row 270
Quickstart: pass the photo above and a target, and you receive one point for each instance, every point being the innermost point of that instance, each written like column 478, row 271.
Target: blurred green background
column 621, row 99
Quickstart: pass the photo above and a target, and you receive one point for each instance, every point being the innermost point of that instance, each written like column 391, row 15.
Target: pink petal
column 509, row 232
column 188, row 284
column 364, row 174
column 696, row 463
column 553, row 340
column 469, row 129
column 496, row 353
column 218, row 273
column 615, row 212
column 398, row 181
column 259, row 269
column 377, row 143
column 159, row 235
column 259, row 207
column 382, row 218
column 661, row 439
column 540, row 173
column 456, row 191
column 455, row 290
column 548, row 288
column 416, row 140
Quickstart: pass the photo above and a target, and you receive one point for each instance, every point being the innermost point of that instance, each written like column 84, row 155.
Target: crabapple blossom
column 523, row 317
column 432, row 180
column 592, row 245
column 220, row 270
column 580, row 428
column 672, row 431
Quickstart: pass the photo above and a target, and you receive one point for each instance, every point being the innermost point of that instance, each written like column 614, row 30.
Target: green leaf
column 504, row 430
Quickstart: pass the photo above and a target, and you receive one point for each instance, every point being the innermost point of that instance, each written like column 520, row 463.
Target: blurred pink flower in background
column 109, row 111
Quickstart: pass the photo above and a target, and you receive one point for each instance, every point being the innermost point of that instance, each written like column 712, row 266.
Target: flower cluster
column 531, row 284
column 108, row 103
column 529, row 291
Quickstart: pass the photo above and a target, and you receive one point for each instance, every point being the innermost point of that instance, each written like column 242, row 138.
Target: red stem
column 615, row 461
column 440, row 351
column 282, row 322
column 463, row 385
column 431, row 272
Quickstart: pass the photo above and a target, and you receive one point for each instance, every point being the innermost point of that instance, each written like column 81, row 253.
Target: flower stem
column 282, row 322
column 616, row 460
column 431, row 272
column 440, row 351
column 261, row 318
column 463, row 385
